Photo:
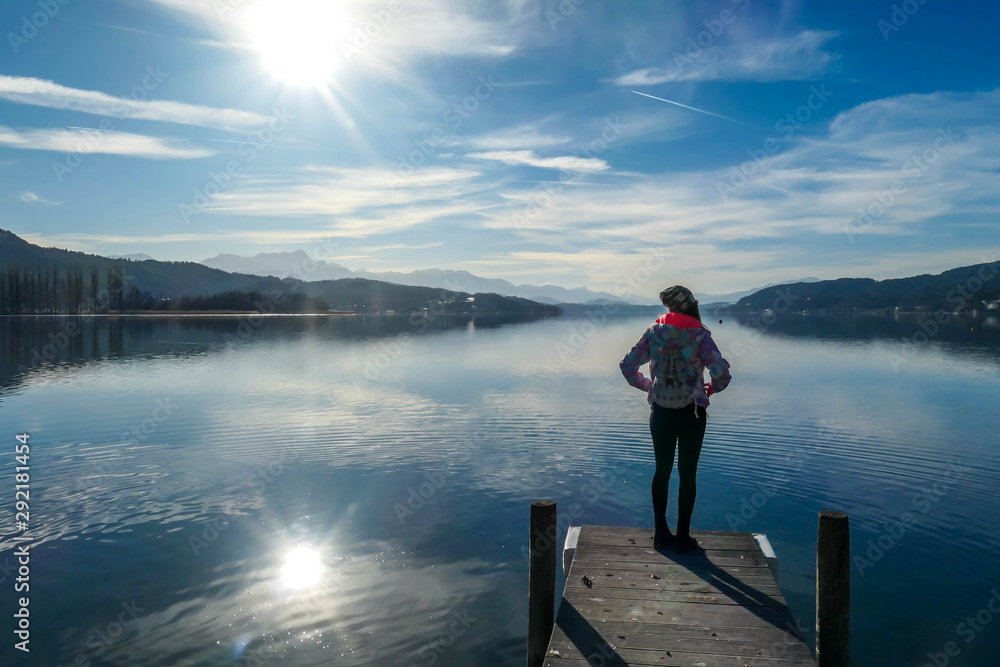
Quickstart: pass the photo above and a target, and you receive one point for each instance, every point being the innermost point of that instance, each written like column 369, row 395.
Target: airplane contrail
column 707, row 113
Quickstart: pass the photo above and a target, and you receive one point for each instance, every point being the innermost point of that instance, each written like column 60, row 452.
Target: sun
column 298, row 41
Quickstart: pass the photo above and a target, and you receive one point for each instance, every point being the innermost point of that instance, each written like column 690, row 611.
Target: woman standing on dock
column 679, row 349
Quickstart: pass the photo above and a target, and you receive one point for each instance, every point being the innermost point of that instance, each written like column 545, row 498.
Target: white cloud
column 800, row 57
column 329, row 191
column 361, row 202
column 43, row 93
column 401, row 246
column 420, row 27
column 32, row 198
column 528, row 158
column 798, row 200
column 802, row 200
column 113, row 143
column 524, row 136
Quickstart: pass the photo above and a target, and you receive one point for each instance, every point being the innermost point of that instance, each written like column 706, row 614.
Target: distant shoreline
column 186, row 313
column 866, row 312
column 254, row 313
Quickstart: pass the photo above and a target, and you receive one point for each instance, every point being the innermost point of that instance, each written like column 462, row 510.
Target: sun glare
column 298, row 40
column 302, row 568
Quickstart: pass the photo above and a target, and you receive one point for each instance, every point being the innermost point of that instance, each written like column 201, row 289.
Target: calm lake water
column 176, row 465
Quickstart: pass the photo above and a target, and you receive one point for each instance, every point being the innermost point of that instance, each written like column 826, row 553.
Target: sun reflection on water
column 302, row 568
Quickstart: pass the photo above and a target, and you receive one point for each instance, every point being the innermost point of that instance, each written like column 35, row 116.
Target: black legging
column 670, row 426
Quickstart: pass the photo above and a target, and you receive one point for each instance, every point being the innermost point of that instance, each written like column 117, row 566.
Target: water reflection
column 332, row 492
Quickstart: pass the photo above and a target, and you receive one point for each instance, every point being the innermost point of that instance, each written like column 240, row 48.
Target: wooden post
column 541, row 579
column 833, row 590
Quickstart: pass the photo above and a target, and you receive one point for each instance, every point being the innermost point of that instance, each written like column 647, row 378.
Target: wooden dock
column 718, row 606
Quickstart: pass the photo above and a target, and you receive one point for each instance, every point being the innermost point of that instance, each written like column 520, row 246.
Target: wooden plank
column 750, row 577
column 717, row 606
column 714, row 646
column 685, row 613
column 633, row 530
column 700, row 596
column 643, row 537
column 620, row 630
column 643, row 587
column 678, row 659
column 637, row 555
column 669, row 567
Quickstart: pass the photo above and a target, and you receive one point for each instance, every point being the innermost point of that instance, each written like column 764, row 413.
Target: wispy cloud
column 801, row 57
column 528, row 158
column 812, row 190
column 808, row 191
column 362, row 202
column 523, row 136
column 326, row 191
column 31, row 198
column 43, row 93
column 112, row 143
column 401, row 246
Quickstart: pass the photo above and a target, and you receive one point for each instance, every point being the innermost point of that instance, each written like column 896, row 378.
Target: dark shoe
column 685, row 543
column 663, row 538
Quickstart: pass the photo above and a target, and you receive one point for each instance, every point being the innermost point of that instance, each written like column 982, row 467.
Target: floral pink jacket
column 678, row 348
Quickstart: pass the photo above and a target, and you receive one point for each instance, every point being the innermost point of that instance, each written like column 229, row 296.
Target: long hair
column 693, row 311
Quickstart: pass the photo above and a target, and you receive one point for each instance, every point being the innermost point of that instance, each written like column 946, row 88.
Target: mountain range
column 34, row 279
column 298, row 264
column 963, row 289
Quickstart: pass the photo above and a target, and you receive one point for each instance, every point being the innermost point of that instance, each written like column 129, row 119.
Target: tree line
column 75, row 288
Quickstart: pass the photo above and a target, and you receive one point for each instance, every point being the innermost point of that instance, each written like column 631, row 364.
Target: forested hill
column 50, row 280
column 963, row 289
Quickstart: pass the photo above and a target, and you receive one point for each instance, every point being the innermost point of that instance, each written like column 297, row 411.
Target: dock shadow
column 735, row 589
column 587, row 640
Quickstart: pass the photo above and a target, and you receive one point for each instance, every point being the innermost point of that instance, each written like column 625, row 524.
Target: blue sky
column 506, row 138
